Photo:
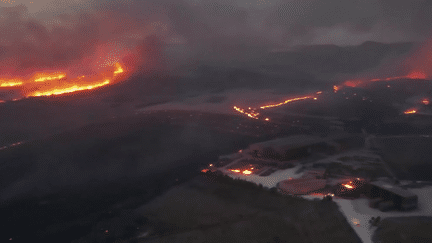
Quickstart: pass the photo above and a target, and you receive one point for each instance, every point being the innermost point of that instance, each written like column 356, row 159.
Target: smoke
column 83, row 37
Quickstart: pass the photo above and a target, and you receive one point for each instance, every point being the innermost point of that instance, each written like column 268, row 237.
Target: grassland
column 220, row 209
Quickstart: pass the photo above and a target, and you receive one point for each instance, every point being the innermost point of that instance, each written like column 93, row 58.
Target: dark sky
column 208, row 24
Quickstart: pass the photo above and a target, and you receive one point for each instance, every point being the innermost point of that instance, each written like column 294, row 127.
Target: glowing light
column 319, row 92
column 58, row 87
column 348, row 186
column 267, row 119
column 247, row 172
column 204, row 170
column 425, row 101
column 211, row 164
column 285, row 102
column 251, row 115
column 10, row 83
column 69, row 89
column 352, row 83
column 335, row 88
column 410, row 111
column 236, row 171
column 416, row 75
column 119, row 69
column 42, row 77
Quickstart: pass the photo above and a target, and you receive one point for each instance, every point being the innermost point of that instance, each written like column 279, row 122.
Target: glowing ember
column 348, row 186
column 119, row 69
column 204, row 170
column 319, row 92
column 247, row 172
column 10, row 83
column 42, row 77
column 53, row 83
column 251, row 115
column 410, row 111
column 425, row 101
column 69, row 89
column 352, row 83
column 335, row 88
column 236, row 171
column 285, row 102
column 416, row 75
column 267, row 119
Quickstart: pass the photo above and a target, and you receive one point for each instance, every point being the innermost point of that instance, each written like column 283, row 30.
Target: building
column 383, row 194
column 301, row 186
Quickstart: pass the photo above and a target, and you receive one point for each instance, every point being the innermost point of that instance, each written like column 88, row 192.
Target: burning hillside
column 79, row 52
column 57, row 83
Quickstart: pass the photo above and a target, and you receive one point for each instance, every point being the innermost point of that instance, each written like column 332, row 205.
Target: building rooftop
column 393, row 188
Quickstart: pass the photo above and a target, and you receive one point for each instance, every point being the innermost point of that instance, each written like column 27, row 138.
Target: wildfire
column 285, row 102
column 42, row 77
column 410, row 111
column 119, row 69
column 252, row 111
column 416, row 75
column 10, row 83
column 54, row 83
column 348, row 186
column 336, row 88
column 352, row 83
column 244, row 172
column 69, row 89
column 249, row 114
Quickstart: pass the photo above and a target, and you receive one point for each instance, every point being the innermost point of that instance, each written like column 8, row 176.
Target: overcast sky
column 281, row 22
column 102, row 32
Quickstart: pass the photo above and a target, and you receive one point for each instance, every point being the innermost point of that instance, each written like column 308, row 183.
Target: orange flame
column 78, row 84
column 425, row 101
column 247, row 172
column 42, row 77
column 10, row 83
column 236, row 171
column 410, row 111
column 285, row 102
column 53, row 83
column 119, row 69
column 251, row 115
column 348, row 186
column 336, row 88
column 69, row 89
